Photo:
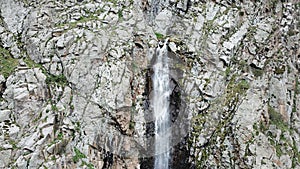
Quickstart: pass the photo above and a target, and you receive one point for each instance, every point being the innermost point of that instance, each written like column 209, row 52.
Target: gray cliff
column 76, row 89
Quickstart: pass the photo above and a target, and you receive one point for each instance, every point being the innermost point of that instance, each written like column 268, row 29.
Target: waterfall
column 161, row 108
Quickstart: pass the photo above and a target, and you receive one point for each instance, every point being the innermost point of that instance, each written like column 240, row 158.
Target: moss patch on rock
column 7, row 63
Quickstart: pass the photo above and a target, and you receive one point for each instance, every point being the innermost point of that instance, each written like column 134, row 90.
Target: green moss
column 296, row 92
column 45, row 119
column 207, row 82
column 297, row 88
column 243, row 85
column 131, row 125
column 159, row 36
column 263, row 127
column 7, row 63
column 77, row 126
column 90, row 166
column 31, row 64
column 112, row 1
column 278, row 150
column 257, row 72
column 251, row 31
column 13, row 144
column 56, row 79
column 53, row 158
column 277, row 119
column 37, row 118
column 255, row 126
column 91, row 16
column 72, row 107
column 88, row 18
column 78, row 155
column 271, row 141
column 294, row 109
column 241, row 13
column 276, row 145
column 54, row 108
column 60, row 136
column 227, row 72
column 120, row 13
column 296, row 154
column 235, row 89
column 243, row 63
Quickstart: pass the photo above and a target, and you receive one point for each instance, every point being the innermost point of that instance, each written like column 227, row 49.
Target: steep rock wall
column 74, row 82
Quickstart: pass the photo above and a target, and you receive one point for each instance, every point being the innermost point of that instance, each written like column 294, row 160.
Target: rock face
column 75, row 83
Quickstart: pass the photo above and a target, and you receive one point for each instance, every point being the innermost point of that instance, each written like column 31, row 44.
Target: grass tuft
column 8, row 64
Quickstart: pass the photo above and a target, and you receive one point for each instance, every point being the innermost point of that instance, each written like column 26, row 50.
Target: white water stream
column 161, row 108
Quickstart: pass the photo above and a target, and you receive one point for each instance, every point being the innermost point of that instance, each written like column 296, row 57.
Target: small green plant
column 263, row 126
column 243, row 85
column 78, row 155
column 131, row 125
column 77, row 126
column 56, row 79
column 294, row 109
column 297, row 88
column 235, row 90
column 120, row 13
column 51, row 79
column 54, row 108
column 7, row 63
column 53, row 158
column 278, row 150
column 279, row 70
column 159, row 36
column 257, row 72
column 72, row 107
column 296, row 154
column 31, row 64
column 227, row 72
column 13, row 144
column 296, row 92
column 277, row 119
column 60, row 136
column 90, row 166
column 255, row 126
column 45, row 119
column 38, row 117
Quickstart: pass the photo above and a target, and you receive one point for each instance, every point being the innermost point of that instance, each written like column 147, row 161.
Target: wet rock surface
column 75, row 83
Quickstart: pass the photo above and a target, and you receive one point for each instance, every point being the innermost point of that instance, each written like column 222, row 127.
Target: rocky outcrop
column 75, row 83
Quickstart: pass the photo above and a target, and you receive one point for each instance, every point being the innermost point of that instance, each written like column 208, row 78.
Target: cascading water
column 161, row 96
